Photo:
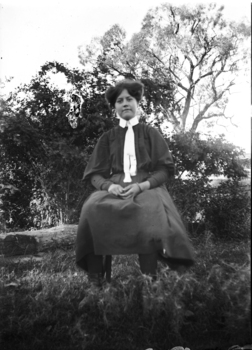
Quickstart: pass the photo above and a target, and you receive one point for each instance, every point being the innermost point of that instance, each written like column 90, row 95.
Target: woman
column 131, row 212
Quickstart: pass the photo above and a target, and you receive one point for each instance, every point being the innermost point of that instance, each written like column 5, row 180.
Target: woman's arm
column 155, row 180
column 144, row 185
column 161, row 159
column 158, row 177
column 100, row 183
column 99, row 161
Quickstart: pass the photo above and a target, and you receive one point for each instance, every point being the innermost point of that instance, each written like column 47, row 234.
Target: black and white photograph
column 125, row 175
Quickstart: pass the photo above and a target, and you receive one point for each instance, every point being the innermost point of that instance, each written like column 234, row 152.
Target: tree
column 43, row 157
column 191, row 53
column 203, row 158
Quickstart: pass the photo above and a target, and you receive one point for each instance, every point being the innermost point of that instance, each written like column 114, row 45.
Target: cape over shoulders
column 147, row 130
column 152, row 151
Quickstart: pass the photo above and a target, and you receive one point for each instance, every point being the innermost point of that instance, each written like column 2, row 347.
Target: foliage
column 191, row 55
column 227, row 213
column 207, row 307
column 42, row 156
column 190, row 197
column 197, row 160
column 203, row 157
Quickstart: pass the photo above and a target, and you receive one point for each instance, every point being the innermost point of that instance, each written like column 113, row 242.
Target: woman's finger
column 125, row 194
column 128, row 187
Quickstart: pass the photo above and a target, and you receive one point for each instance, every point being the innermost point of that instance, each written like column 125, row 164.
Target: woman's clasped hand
column 125, row 192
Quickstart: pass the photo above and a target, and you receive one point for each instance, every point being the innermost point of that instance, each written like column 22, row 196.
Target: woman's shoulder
column 145, row 128
column 109, row 134
column 112, row 132
column 149, row 130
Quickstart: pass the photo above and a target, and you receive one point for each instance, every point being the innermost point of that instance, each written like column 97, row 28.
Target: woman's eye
column 121, row 100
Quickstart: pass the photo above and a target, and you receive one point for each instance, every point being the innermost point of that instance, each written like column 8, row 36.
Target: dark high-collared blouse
column 152, row 153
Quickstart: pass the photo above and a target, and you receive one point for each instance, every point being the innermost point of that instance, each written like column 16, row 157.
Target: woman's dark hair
column 135, row 89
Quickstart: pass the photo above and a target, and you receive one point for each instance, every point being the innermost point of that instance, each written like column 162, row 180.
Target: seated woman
column 131, row 212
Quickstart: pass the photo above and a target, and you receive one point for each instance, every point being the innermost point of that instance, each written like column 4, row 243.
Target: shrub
column 227, row 213
column 190, row 196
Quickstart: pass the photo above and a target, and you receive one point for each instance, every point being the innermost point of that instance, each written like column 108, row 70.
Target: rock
column 35, row 242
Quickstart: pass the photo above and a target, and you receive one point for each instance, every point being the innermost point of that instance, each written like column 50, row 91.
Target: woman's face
column 126, row 105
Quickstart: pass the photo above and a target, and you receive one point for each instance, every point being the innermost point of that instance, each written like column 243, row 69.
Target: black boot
column 95, row 279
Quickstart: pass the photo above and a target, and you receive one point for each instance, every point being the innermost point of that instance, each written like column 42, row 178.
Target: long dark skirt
column 145, row 224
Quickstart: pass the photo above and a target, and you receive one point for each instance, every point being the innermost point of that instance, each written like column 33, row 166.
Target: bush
column 190, row 196
column 227, row 213
column 224, row 210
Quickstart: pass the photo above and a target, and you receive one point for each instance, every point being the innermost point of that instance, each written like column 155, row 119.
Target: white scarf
column 129, row 152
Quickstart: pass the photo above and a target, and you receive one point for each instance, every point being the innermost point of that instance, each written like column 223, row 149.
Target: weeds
column 206, row 307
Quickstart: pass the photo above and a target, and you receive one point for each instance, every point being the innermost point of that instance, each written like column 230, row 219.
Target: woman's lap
column 142, row 225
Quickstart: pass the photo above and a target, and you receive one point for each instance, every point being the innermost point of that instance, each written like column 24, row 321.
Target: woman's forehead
column 124, row 93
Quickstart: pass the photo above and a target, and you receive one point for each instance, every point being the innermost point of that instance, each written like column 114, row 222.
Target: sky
column 33, row 32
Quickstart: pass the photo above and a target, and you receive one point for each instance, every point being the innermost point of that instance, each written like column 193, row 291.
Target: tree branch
column 170, row 115
column 169, row 69
column 201, row 114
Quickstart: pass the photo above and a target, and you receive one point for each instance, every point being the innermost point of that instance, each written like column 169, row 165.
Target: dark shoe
column 96, row 279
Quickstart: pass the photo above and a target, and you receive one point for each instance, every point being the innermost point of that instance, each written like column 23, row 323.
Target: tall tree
column 192, row 55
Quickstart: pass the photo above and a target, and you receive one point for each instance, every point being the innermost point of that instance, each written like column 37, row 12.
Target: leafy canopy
column 190, row 55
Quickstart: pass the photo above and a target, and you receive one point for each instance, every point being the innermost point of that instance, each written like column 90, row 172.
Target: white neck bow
column 129, row 153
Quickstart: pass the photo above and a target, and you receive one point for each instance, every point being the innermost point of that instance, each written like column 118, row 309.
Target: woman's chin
column 127, row 116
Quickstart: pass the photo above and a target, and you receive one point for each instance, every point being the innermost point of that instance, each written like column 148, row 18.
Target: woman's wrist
column 139, row 187
column 143, row 186
column 106, row 185
column 109, row 187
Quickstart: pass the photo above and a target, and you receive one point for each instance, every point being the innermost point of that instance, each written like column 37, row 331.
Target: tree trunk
column 32, row 242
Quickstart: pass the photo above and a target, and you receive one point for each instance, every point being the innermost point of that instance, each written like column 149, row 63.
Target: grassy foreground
column 206, row 308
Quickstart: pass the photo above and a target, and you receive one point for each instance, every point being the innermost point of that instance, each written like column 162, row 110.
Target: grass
column 208, row 307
